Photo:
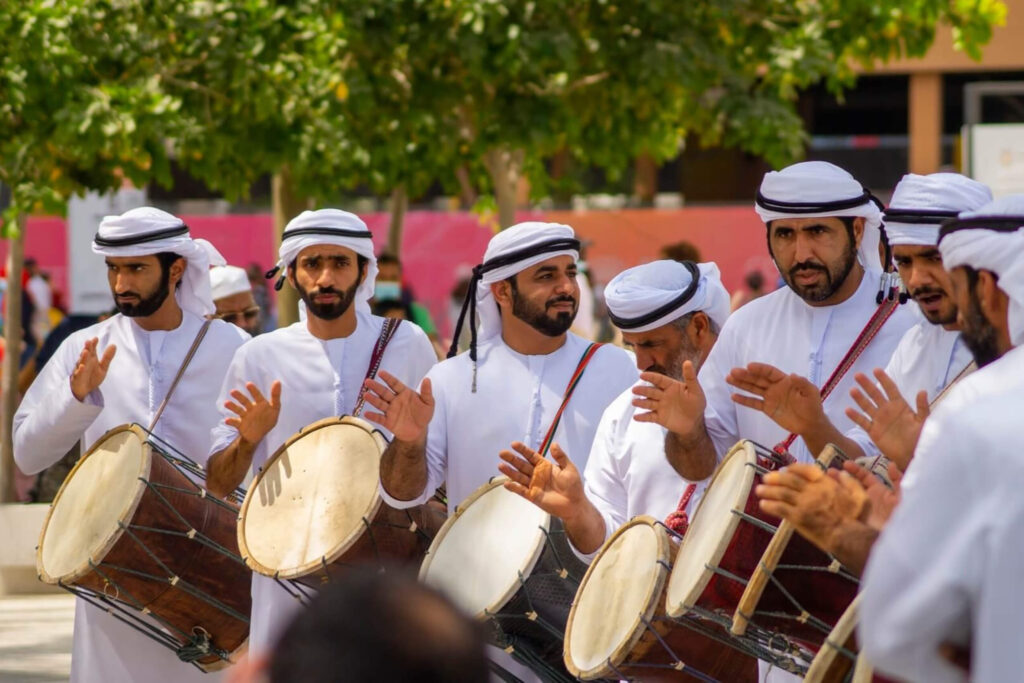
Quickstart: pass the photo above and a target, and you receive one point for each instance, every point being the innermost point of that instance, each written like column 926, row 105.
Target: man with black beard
column 669, row 313
column 508, row 387
column 120, row 371
column 287, row 379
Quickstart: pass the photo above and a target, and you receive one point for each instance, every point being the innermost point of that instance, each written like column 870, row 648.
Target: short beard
column 834, row 277
column 149, row 305
column 687, row 351
column 938, row 320
column 538, row 318
column 979, row 335
column 327, row 311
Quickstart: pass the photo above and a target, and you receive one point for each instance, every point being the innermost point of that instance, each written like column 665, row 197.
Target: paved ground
column 35, row 638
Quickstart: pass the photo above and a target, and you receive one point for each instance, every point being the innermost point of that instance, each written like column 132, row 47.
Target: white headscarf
column 654, row 294
column 146, row 231
column 329, row 226
column 818, row 189
column 991, row 238
column 227, row 281
column 509, row 252
column 920, row 203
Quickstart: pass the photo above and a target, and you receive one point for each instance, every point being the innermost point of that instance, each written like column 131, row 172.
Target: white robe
column 927, row 359
column 50, row 420
column 783, row 330
column 948, row 565
column 628, row 474
column 319, row 378
column 516, row 399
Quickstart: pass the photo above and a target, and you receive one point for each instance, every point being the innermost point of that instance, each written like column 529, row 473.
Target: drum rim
column 652, row 600
column 827, row 655
column 350, row 540
column 526, row 569
column 748, row 449
column 145, row 469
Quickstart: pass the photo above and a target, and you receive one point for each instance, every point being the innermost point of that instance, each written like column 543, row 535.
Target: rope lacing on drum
column 198, row 646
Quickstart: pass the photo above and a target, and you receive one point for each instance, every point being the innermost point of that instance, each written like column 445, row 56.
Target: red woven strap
column 387, row 331
column 679, row 521
column 569, row 389
column 863, row 340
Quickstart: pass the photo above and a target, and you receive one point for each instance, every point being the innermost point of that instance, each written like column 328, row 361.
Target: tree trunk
column 12, row 353
column 286, row 205
column 505, row 168
column 398, row 205
column 645, row 179
column 467, row 195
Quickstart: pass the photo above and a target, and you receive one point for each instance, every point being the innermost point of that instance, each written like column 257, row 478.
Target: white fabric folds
column 818, row 189
column 648, row 296
column 991, row 238
column 146, row 231
column 227, row 281
column 920, row 203
column 329, row 226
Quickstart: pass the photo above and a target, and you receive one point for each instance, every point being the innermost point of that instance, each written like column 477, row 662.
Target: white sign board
column 87, row 273
column 995, row 156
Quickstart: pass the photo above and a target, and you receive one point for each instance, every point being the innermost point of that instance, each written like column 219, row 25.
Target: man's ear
column 858, row 230
column 502, row 293
column 993, row 301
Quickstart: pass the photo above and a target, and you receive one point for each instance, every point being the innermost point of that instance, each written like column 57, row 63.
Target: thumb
column 689, row 372
column 560, row 457
column 108, row 356
column 275, row 394
column 923, row 410
column 426, row 392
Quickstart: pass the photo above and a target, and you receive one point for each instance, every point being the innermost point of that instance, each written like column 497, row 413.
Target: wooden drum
column 314, row 510
column 131, row 532
column 618, row 627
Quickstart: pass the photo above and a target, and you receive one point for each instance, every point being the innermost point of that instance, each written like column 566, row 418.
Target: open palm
column 675, row 405
column 404, row 412
column 791, row 401
column 555, row 487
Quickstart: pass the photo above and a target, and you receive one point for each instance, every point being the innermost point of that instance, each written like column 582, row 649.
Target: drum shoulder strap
column 387, row 332
column 181, row 371
column 581, row 366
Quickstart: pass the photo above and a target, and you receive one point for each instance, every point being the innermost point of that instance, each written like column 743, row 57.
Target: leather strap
column 588, row 354
column 181, row 371
column 387, row 331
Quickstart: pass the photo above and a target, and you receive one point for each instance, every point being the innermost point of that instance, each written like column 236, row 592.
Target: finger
column 850, row 484
column 518, row 489
column 378, row 388
column 832, row 473
column 275, row 394
column 860, row 473
column 513, row 474
column 393, row 382
column 895, row 474
column 427, row 392
column 235, row 408
column 888, row 386
column 257, row 395
column 560, row 457
column 233, row 422
column 521, row 465
column 648, row 392
column 528, row 453
column 242, row 399
column 863, row 403
column 689, row 372
column 769, row 372
column 90, row 346
column 742, row 384
column 376, row 401
column 858, row 419
column 779, row 493
column 376, row 418
column 658, row 380
column 776, row 508
column 108, row 355
column 873, row 392
column 645, row 417
column 646, row 404
column 748, row 401
column 923, row 408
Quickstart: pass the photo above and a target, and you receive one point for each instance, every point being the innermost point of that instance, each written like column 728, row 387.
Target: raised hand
column 882, row 500
column 815, row 503
column 677, row 406
column 404, row 412
column 256, row 415
column 91, row 369
column 889, row 421
column 556, row 488
column 791, row 401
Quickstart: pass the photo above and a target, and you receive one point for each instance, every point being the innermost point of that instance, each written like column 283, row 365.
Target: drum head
column 712, row 529
column 622, row 587
column 478, row 555
column 102, row 490
column 306, row 507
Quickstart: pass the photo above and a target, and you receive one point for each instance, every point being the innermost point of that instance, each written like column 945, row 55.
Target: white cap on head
column 648, row 296
column 818, row 189
column 991, row 238
column 329, row 226
column 920, row 203
column 227, row 281
column 146, row 231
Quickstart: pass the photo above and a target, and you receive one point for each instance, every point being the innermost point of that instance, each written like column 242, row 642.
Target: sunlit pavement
column 35, row 638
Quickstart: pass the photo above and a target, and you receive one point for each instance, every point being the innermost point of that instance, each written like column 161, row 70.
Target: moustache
column 807, row 265
column 559, row 299
column 125, row 295
column 325, row 290
column 922, row 292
